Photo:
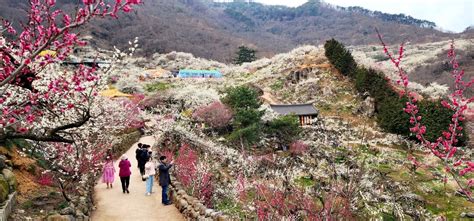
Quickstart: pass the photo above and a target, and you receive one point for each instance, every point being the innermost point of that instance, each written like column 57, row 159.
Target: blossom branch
column 444, row 148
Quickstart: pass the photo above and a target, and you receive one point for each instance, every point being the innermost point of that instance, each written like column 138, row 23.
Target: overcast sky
column 453, row 15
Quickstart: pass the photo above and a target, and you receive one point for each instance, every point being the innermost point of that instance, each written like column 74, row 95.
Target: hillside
column 425, row 63
column 215, row 30
column 345, row 146
column 306, row 134
column 345, row 141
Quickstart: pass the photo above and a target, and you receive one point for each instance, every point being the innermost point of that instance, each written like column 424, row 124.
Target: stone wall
column 124, row 142
column 8, row 183
column 81, row 205
column 8, row 187
column 190, row 207
column 7, row 207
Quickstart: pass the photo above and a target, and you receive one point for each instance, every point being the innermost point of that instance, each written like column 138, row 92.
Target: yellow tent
column 47, row 52
column 113, row 93
column 156, row 73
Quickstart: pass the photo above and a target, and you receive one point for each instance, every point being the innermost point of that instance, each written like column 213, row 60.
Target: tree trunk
column 242, row 145
column 63, row 191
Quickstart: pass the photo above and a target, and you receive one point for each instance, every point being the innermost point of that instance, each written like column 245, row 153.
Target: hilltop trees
column 388, row 102
column 340, row 57
column 245, row 54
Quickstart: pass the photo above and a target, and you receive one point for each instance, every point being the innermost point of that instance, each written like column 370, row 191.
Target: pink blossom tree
column 38, row 104
column 275, row 204
column 298, row 147
column 186, row 164
column 451, row 156
column 58, row 107
column 216, row 114
column 194, row 175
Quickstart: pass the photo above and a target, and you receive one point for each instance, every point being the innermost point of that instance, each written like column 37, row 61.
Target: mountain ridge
column 215, row 30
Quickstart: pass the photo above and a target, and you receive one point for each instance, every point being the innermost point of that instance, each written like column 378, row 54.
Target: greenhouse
column 199, row 74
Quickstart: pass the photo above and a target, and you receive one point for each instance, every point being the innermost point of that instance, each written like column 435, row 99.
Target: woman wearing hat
column 124, row 173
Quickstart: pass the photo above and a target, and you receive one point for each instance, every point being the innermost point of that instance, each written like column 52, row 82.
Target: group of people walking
column 147, row 168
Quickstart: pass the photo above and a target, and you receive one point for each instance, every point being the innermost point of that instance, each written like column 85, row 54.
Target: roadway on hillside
column 113, row 205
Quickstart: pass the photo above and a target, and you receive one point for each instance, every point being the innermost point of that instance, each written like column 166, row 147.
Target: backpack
column 144, row 155
column 138, row 152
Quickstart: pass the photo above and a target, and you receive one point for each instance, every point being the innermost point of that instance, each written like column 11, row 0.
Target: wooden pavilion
column 305, row 112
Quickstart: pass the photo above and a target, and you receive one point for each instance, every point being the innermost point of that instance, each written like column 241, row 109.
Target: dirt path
column 113, row 205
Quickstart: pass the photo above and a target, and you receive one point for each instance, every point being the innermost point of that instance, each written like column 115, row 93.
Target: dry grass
column 25, row 170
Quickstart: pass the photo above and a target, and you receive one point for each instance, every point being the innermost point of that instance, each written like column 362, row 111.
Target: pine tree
column 245, row 54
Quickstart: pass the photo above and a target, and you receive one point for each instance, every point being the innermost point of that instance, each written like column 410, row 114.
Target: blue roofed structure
column 187, row 73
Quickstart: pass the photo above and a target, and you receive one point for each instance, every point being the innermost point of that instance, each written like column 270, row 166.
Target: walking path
column 113, row 205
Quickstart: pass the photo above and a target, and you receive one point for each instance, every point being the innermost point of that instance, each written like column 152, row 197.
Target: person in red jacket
column 124, row 173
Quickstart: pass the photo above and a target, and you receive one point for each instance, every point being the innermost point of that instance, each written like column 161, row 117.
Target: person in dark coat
column 165, row 179
column 138, row 152
column 143, row 159
column 147, row 150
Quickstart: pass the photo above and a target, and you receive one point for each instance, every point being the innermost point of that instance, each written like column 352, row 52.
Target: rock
column 367, row 107
column 412, row 198
column 467, row 215
column 194, row 214
column 80, row 208
column 222, row 218
column 4, row 189
column 9, row 164
column 178, row 186
column 82, row 218
column 209, row 212
column 327, row 91
column 57, row 217
column 3, row 158
column 68, row 211
column 202, row 210
column 174, row 197
column 197, row 205
column 215, row 214
column 171, row 56
column 177, row 183
column 181, row 192
column 182, row 204
column 188, row 198
column 10, row 177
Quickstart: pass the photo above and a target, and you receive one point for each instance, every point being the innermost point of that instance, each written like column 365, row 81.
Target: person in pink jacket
column 109, row 172
column 124, row 173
